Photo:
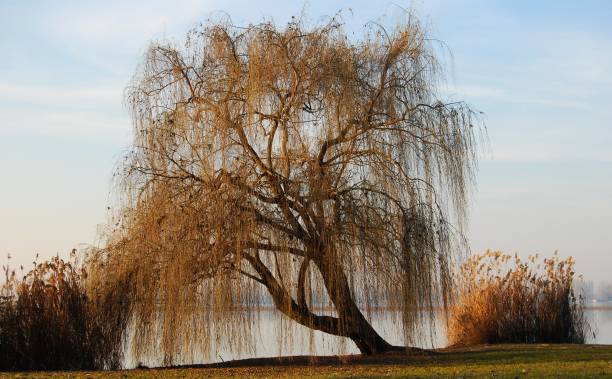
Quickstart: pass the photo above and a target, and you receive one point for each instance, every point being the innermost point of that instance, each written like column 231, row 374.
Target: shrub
column 47, row 321
column 503, row 299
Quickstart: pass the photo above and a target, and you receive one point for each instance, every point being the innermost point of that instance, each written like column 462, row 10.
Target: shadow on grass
column 482, row 354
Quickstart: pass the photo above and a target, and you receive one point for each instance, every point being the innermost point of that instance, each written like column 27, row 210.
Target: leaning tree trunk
column 353, row 323
column 350, row 322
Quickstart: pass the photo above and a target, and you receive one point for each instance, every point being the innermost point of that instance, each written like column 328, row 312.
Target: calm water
column 601, row 319
column 273, row 339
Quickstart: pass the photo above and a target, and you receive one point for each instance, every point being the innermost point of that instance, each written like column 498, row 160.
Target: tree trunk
column 353, row 323
column 350, row 322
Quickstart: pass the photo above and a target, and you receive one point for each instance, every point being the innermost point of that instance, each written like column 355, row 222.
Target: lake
column 275, row 339
column 601, row 319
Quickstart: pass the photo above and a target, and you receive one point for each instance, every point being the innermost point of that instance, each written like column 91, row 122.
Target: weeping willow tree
column 290, row 165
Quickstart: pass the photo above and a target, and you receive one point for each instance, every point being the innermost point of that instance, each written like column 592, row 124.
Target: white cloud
column 109, row 37
column 478, row 92
column 71, row 124
column 548, row 137
column 583, row 59
column 60, row 97
column 542, row 97
column 72, row 112
column 121, row 25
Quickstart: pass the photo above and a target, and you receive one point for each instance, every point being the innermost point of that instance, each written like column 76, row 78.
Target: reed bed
column 47, row 321
column 504, row 299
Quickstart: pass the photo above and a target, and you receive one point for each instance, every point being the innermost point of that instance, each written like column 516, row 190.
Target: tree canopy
column 292, row 166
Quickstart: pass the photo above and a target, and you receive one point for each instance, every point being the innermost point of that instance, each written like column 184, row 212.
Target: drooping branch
column 323, row 155
column 286, row 304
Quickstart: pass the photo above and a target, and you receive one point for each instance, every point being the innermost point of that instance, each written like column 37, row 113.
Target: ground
column 491, row 361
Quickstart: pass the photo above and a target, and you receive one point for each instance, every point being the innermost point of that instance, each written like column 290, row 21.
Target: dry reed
column 47, row 321
column 503, row 299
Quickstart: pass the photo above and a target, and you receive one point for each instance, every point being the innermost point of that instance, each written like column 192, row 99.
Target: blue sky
column 540, row 71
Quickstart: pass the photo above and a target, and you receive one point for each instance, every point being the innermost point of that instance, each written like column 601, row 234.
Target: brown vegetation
column 287, row 164
column 47, row 322
column 503, row 299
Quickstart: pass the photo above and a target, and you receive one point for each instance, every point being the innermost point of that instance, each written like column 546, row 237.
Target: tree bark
column 352, row 322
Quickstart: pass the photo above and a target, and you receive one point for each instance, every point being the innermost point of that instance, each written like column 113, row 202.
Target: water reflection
column 278, row 336
column 601, row 320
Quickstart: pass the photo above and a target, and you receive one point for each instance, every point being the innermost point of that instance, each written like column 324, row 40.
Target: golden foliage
column 285, row 165
column 503, row 299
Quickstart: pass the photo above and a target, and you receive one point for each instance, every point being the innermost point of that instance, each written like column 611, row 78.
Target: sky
column 541, row 73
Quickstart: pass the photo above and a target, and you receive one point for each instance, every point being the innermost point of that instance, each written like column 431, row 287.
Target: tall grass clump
column 47, row 321
column 503, row 299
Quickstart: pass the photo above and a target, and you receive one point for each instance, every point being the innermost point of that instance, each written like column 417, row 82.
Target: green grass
column 495, row 361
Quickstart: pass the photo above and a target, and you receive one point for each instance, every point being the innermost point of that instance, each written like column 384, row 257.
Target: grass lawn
column 492, row 361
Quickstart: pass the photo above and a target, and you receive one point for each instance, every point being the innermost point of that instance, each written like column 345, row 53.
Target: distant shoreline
column 598, row 307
